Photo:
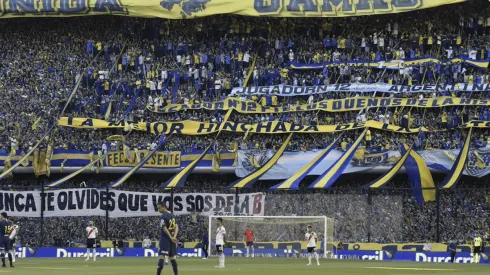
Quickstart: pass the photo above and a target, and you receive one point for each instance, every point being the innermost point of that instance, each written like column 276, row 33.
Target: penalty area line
column 51, row 268
column 410, row 268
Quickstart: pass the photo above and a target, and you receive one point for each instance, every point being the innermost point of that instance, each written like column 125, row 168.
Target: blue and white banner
column 290, row 162
column 478, row 162
column 423, row 257
column 366, row 255
column 54, row 252
column 288, row 90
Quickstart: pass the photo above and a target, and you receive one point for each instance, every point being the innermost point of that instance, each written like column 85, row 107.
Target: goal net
column 284, row 234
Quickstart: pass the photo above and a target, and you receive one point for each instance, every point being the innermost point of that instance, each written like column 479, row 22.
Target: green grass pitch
column 234, row 266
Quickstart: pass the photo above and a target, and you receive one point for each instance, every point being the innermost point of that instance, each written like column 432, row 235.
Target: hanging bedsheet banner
column 288, row 90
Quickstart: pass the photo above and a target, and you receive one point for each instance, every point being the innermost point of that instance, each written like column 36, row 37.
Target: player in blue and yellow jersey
column 5, row 228
column 168, row 238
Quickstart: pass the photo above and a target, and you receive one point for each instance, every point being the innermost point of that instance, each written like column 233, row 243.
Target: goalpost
column 267, row 229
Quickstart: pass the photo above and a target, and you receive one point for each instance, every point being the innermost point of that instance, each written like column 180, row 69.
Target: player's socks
column 309, row 258
column 222, row 259
column 160, row 266
column 3, row 260
column 248, row 252
column 94, row 252
column 13, row 256
column 316, row 258
column 88, row 254
column 174, row 266
column 10, row 259
column 253, row 252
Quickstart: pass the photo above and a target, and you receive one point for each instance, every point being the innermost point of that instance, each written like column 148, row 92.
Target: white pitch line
column 52, row 268
column 411, row 268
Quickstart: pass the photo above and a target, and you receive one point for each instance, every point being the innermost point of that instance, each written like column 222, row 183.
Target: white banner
column 287, row 90
column 119, row 203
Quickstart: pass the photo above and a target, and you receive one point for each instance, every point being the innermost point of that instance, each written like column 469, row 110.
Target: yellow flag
column 235, row 154
column 116, row 138
column 127, row 152
column 108, row 112
column 7, row 166
column 137, row 154
column 39, row 163
column 480, row 163
column 91, row 155
column 216, row 164
column 34, row 125
column 49, row 156
column 24, row 163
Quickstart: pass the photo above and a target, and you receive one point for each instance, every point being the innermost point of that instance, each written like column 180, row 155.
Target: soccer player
column 477, row 243
column 321, row 251
column 220, row 243
column 250, row 235
column 92, row 233
column 5, row 226
column 205, row 243
column 168, row 238
column 14, row 231
column 310, row 236
column 452, row 250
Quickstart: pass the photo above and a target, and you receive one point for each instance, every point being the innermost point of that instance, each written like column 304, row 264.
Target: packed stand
column 383, row 216
column 140, row 62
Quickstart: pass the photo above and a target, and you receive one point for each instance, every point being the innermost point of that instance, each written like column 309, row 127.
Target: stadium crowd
column 385, row 216
column 117, row 69
column 123, row 65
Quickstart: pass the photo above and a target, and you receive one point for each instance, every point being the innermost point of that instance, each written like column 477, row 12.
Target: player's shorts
column 250, row 243
column 91, row 243
column 311, row 249
column 167, row 248
column 5, row 244
column 476, row 249
column 219, row 248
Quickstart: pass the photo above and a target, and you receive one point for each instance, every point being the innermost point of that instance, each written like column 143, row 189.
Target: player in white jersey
column 310, row 237
column 220, row 243
column 14, row 231
column 92, row 233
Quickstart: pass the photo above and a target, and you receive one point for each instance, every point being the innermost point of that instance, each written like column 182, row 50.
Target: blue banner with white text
column 365, row 255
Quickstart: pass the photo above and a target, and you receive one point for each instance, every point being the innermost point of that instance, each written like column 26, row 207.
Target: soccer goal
column 280, row 232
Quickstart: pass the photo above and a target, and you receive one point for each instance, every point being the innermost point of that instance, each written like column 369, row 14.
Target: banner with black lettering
column 188, row 9
column 93, row 202
column 188, row 127
column 331, row 105
column 288, row 90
